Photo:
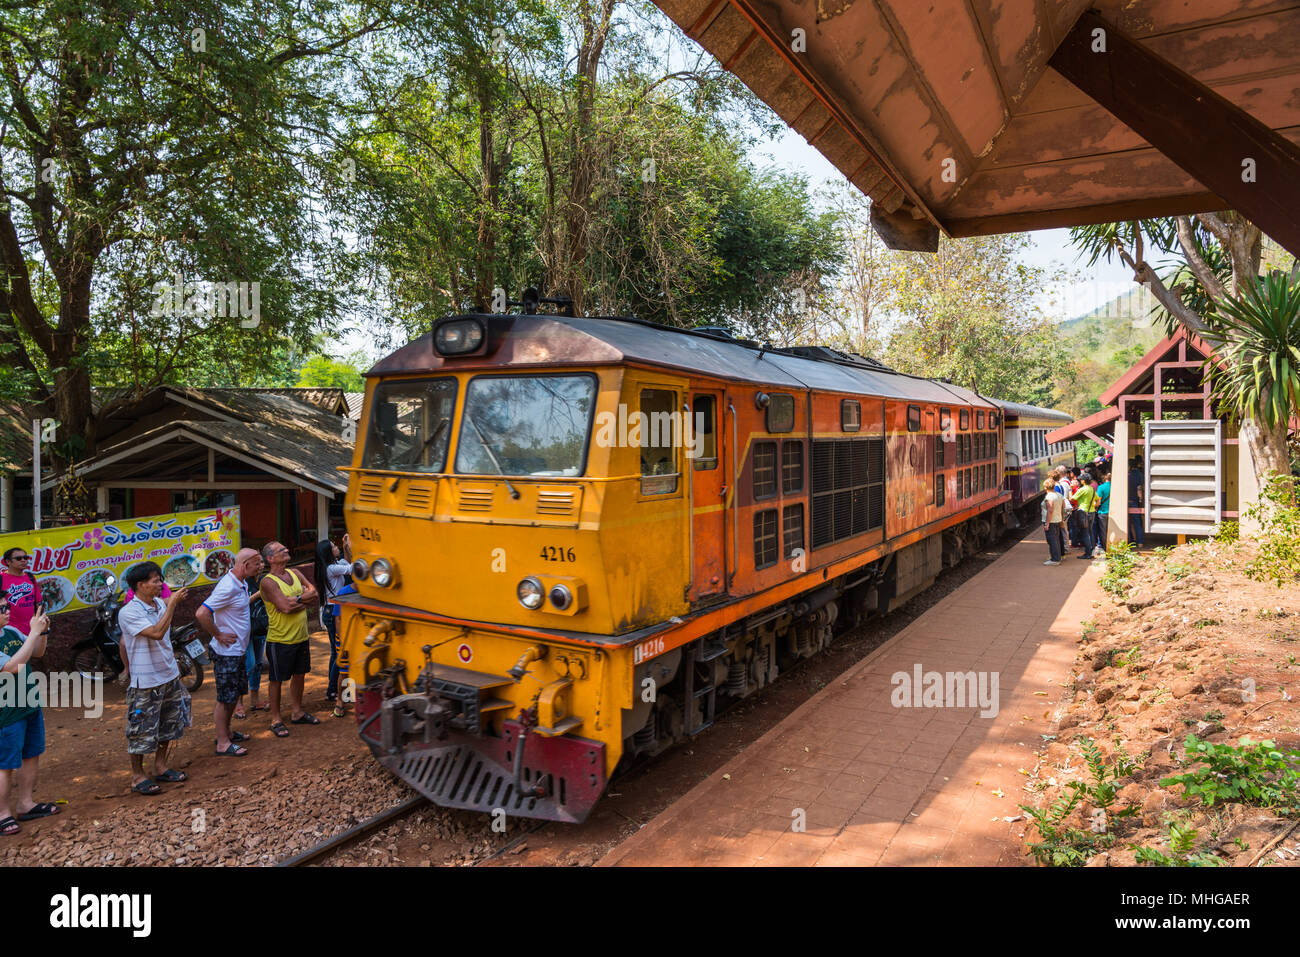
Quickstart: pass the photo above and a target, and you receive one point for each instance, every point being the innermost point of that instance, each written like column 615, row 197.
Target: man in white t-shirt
column 157, row 706
column 224, row 615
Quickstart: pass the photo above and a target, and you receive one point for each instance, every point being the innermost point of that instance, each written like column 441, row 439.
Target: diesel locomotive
column 577, row 539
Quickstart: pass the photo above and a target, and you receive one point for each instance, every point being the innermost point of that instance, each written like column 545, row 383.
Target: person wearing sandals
column 22, row 724
column 332, row 567
column 288, row 650
column 157, row 704
column 224, row 615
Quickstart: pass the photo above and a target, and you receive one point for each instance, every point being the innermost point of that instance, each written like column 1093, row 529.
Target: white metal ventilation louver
column 1184, row 480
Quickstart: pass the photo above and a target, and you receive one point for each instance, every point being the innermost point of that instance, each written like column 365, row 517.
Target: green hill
column 1105, row 342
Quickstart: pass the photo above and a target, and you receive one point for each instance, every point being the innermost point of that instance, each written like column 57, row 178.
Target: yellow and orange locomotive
column 577, row 538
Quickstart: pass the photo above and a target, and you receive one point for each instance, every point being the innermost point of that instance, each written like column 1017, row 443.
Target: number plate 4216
column 647, row 649
column 558, row 553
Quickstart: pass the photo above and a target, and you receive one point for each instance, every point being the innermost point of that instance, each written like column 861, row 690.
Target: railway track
column 384, row 818
column 351, row 834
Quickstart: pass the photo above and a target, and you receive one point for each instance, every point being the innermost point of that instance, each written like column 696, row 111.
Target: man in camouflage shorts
column 157, row 706
column 155, row 718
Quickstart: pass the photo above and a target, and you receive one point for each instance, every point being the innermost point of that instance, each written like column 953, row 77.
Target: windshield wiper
column 419, row 453
column 514, row 492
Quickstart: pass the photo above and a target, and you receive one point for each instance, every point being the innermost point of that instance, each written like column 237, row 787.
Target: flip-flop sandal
column 172, row 776
column 305, row 719
column 279, row 730
column 44, row 809
column 240, row 715
column 239, row 736
column 260, row 707
column 340, row 712
column 147, row 786
column 233, row 751
column 9, row 827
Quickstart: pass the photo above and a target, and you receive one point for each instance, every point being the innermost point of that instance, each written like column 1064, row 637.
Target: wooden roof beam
column 1232, row 154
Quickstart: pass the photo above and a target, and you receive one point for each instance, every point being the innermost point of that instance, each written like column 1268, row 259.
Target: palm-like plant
column 1257, row 335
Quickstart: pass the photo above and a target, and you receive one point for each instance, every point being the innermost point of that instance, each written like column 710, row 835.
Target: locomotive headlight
column 458, row 337
column 531, row 593
column 383, row 573
column 561, row 597
column 360, row 569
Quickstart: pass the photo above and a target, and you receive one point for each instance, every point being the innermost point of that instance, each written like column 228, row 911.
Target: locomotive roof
column 543, row 340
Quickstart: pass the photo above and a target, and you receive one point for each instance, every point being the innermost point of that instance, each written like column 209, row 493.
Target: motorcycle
column 100, row 655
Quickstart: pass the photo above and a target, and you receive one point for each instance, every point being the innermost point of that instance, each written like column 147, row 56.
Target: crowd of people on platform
column 256, row 617
column 1076, row 509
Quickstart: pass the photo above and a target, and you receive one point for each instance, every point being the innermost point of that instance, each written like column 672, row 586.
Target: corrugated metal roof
column 559, row 340
column 355, row 401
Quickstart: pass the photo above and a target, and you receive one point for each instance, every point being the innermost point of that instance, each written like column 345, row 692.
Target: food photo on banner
column 72, row 566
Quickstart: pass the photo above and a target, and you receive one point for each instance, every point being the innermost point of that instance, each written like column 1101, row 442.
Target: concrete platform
column 875, row 782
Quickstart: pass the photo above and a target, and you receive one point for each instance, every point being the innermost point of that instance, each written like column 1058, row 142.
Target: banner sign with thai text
column 72, row 564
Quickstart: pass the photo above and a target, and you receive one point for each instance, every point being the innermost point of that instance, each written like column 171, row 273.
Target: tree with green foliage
column 163, row 144
column 969, row 315
column 1214, row 290
column 321, row 371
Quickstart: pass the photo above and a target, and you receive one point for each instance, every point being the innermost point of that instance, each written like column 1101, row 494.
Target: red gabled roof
column 1158, row 353
column 1075, row 430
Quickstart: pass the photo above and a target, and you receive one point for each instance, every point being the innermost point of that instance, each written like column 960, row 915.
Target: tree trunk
column 1268, row 450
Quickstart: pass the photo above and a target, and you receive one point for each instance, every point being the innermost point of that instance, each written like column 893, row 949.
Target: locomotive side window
column 940, row 491
column 780, row 413
column 765, row 543
column 964, row 418
column 938, row 451
column 945, row 420
column 410, row 425
column 764, row 469
column 792, row 529
column 704, row 423
column 850, row 415
column 791, row 466
column 914, row 418
column 658, row 456
column 979, row 419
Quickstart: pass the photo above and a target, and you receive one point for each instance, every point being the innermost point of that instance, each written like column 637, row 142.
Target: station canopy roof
column 958, row 113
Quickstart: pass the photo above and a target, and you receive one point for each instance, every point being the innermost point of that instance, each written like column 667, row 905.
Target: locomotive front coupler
column 542, row 786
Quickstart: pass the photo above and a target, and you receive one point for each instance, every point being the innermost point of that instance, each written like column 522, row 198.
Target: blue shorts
column 22, row 740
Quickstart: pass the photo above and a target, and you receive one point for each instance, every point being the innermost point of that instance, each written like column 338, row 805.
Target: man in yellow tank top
column 286, row 595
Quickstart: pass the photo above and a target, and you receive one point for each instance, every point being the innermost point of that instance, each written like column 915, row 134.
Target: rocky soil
column 1192, row 646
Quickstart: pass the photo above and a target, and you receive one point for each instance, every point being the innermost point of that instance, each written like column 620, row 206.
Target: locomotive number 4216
column 554, row 553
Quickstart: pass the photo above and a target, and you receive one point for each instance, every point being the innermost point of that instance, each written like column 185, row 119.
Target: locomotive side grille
column 823, row 466
column 369, row 490
column 848, row 488
column 555, row 501
column 419, row 497
column 476, row 498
